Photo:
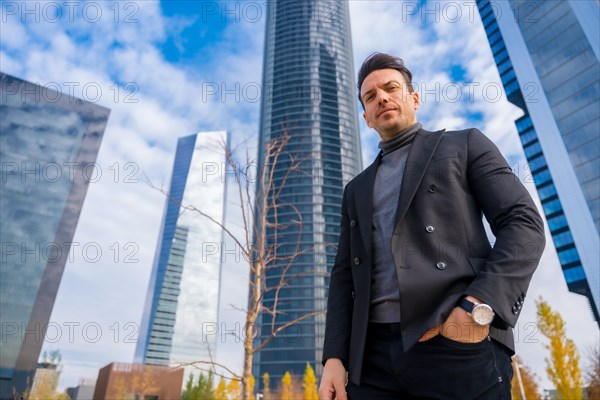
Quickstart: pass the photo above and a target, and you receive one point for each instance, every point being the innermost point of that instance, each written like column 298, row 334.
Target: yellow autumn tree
column 266, row 386
column 286, row 386
column 563, row 365
column 233, row 389
column 252, row 383
column 221, row 391
column 310, row 384
column 46, row 389
column 528, row 380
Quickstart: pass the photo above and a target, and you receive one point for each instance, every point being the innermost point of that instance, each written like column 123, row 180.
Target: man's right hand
column 333, row 381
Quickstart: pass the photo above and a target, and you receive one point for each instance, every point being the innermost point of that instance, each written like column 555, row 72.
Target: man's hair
column 378, row 61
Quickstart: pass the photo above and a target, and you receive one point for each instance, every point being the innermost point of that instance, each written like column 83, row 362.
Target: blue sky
column 169, row 69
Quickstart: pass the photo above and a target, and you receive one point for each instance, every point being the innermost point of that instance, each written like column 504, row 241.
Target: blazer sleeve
column 513, row 217
column 340, row 301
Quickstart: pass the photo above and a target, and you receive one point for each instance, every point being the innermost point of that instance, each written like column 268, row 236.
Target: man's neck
column 400, row 139
column 393, row 134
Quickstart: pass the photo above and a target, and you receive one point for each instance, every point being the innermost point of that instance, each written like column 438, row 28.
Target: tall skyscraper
column 48, row 144
column 309, row 93
column 182, row 300
column 547, row 57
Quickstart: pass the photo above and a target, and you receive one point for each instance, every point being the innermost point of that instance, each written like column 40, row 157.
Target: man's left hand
column 459, row 327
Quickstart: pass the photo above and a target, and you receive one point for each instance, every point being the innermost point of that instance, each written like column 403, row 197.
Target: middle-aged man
column 420, row 305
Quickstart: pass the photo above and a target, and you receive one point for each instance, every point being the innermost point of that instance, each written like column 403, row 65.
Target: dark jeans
column 439, row 368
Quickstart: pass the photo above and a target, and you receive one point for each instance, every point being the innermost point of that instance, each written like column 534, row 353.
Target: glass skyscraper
column 48, row 147
column 181, row 308
column 547, row 56
column 309, row 94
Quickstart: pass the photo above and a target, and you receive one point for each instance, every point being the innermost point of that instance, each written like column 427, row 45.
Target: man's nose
column 382, row 97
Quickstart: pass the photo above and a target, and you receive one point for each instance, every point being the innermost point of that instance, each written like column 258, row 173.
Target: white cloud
column 14, row 35
column 9, row 65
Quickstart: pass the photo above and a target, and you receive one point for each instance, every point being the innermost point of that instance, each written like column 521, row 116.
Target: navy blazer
column 439, row 245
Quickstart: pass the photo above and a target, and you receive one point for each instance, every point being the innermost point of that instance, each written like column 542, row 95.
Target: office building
column 309, row 94
column 48, row 141
column 138, row 381
column 83, row 391
column 45, row 380
column 182, row 299
column 547, row 56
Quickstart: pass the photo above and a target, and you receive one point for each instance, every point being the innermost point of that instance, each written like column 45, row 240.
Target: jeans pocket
column 443, row 368
column 472, row 347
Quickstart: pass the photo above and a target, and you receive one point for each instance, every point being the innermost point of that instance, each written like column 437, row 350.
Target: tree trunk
column 248, row 356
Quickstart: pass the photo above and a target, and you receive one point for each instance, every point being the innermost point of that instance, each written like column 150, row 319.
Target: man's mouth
column 384, row 111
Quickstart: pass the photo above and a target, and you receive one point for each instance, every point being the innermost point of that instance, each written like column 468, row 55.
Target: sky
column 173, row 68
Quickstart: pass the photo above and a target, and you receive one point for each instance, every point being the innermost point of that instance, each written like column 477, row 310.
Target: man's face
column 389, row 106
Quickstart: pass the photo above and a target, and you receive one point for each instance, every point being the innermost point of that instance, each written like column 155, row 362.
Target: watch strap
column 466, row 305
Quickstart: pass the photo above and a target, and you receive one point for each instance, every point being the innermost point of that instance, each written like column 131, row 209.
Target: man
column 420, row 305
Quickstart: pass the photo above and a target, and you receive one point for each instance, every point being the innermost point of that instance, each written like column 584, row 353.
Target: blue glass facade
column 309, row 94
column 182, row 299
column 559, row 81
column 163, row 318
column 48, row 141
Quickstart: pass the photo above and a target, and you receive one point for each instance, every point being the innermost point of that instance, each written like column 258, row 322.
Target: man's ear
column 416, row 99
column 366, row 119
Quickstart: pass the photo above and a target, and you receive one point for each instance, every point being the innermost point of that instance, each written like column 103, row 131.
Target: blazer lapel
column 364, row 202
column 419, row 157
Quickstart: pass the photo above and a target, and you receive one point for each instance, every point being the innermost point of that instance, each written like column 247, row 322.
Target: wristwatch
column 482, row 314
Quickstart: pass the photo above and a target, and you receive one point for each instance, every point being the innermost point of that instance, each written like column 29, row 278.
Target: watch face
column 483, row 314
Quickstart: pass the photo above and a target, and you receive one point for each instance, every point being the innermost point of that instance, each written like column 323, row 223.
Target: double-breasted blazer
column 439, row 245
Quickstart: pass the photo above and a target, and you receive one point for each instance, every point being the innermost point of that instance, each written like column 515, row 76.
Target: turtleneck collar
column 403, row 138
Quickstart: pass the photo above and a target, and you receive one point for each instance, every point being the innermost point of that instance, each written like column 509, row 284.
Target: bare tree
column 261, row 204
column 593, row 373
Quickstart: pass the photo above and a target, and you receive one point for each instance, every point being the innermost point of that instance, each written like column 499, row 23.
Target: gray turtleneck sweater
column 385, row 292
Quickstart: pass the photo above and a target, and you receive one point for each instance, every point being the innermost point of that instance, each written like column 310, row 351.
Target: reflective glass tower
column 547, row 56
column 309, row 94
column 182, row 300
column 48, row 146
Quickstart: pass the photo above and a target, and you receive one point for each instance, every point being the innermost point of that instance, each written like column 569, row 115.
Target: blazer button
column 356, row 261
column 430, row 228
column 440, row 265
column 353, row 223
column 433, row 189
column 515, row 310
